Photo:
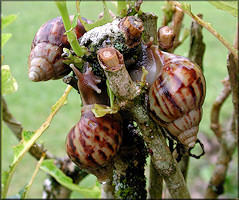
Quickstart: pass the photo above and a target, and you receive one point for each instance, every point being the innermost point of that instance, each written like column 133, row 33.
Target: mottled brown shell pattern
column 176, row 97
column 44, row 61
column 93, row 142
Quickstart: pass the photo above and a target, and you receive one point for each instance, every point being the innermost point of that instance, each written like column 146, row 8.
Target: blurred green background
column 31, row 104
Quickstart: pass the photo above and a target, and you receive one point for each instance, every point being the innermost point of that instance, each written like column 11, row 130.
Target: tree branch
column 233, row 71
column 129, row 177
column 161, row 155
column 155, row 183
column 187, row 9
column 215, row 112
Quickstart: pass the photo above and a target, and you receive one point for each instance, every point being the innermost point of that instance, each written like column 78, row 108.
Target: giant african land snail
column 94, row 141
column 176, row 89
column 45, row 61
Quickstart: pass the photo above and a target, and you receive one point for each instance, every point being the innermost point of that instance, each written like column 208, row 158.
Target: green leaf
column 5, row 38
column 74, row 24
column 24, row 144
column 22, row 191
column 186, row 7
column 121, row 7
column 104, row 20
column 9, row 83
column 229, row 6
column 8, row 20
column 100, row 111
column 49, row 167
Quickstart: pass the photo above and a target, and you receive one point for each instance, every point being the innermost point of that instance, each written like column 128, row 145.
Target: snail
column 45, row 61
column 176, row 96
column 94, row 141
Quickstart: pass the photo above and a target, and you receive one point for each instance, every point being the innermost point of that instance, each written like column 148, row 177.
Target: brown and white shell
column 93, row 142
column 45, row 61
column 176, row 97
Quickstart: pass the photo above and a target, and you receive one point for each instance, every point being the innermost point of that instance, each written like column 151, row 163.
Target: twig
column 228, row 144
column 187, row 9
column 150, row 31
column 33, row 176
column 197, row 46
column 16, row 127
column 215, row 112
column 177, row 21
column 233, row 71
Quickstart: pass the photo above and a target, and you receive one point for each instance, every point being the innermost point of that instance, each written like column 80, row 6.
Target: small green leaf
column 9, row 83
column 121, row 7
column 100, row 111
column 19, row 149
column 49, row 167
column 74, row 22
column 22, row 191
column 186, row 7
column 229, row 6
column 5, row 38
column 104, row 20
column 8, row 20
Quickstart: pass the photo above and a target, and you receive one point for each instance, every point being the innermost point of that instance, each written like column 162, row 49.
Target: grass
column 31, row 104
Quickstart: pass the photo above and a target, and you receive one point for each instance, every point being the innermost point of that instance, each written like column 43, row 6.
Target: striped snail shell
column 176, row 97
column 93, row 142
column 45, row 61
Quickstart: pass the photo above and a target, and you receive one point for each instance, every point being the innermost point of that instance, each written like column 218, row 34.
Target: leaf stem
column 27, row 188
column 71, row 36
column 185, row 8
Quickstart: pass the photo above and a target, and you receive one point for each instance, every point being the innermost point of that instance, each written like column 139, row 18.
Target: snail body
column 176, row 97
column 45, row 61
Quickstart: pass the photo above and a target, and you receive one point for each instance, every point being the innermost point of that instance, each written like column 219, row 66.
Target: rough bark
column 155, row 183
column 129, row 178
column 150, row 26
